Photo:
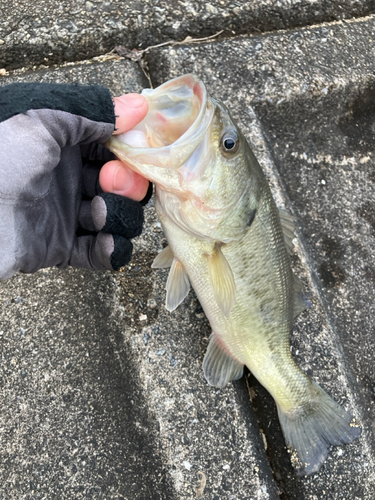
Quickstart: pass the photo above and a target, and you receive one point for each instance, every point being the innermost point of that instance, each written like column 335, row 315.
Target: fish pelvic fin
column 163, row 259
column 178, row 285
column 311, row 429
column 219, row 366
column 222, row 280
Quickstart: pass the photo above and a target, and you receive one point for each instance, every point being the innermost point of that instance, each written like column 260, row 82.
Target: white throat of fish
column 198, row 218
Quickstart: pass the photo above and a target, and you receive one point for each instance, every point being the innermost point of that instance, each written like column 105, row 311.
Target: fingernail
column 122, row 179
column 132, row 100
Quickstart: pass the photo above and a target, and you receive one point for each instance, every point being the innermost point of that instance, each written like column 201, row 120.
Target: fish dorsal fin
column 163, row 259
column 288, row 227
column 178, row 285
column 219, row 366
column 222, row 280
column 153, row 138
column 299, row 303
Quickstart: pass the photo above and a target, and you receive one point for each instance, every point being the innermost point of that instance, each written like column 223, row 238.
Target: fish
column 229, row 241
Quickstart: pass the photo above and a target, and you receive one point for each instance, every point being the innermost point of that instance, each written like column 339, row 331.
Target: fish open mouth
column 179, row 114
column 173, row 108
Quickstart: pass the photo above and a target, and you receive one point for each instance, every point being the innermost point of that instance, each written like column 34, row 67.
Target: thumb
column 130, row 109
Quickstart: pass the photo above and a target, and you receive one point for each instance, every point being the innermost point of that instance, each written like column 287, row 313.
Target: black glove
column 51, row 155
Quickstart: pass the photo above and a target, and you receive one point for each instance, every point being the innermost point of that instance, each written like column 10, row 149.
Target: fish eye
column 230, row 142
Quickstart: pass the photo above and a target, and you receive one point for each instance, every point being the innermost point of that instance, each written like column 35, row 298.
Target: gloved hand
column 51, row 154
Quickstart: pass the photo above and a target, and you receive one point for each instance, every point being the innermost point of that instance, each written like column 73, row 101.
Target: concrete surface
column 48, row 31
column 74, row 421
column 312, row 102
column 135, row 419
column 102, row 391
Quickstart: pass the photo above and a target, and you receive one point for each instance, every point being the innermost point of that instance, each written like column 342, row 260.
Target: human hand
column 51, row 152
column 115, row 176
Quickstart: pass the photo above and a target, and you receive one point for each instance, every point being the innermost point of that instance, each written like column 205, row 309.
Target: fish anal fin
column 163, row 259
column 219, row 366
column 311, row 429
column 222, row 280
column 178, row 285
column 288, row 227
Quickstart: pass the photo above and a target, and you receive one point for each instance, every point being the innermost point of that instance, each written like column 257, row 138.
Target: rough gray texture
column 150, row 423
column 102, row 390
column 118, row 74
column 306, row 63
column 74, row 420
column 52, row 32
column 313, row 133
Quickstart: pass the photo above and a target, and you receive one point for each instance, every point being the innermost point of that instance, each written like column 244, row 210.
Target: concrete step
column 151, row 423
column 103, row 389
column 48, row 32
column 305, row 100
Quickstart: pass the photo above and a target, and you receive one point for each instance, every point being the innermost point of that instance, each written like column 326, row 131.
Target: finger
column 116, row 177
column 96, row 152
column 90, row 179
column 115, row 214
column 101, row 252
column 85, row 219
column 130, row 109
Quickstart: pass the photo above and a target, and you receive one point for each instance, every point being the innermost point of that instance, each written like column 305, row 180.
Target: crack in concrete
column 138, row 56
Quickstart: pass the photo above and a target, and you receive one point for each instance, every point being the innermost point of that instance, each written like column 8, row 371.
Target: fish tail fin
column 311, row 429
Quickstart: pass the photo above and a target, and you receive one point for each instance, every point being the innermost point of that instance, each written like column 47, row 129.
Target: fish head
column 192, row 149
column 176, row 120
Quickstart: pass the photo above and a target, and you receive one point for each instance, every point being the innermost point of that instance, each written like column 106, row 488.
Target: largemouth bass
column 227, row 239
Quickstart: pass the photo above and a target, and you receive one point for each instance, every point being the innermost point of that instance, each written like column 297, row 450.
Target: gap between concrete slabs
column 103, row 390
column 312, row 92
column 47, row 32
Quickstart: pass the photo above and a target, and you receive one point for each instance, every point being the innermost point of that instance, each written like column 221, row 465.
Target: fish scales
column 226, row 239
column 259, row 314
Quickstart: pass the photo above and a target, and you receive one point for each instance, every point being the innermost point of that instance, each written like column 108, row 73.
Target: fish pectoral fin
column 178, row 285
column 219, row 366
column 222, row 280
column 163, row 259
